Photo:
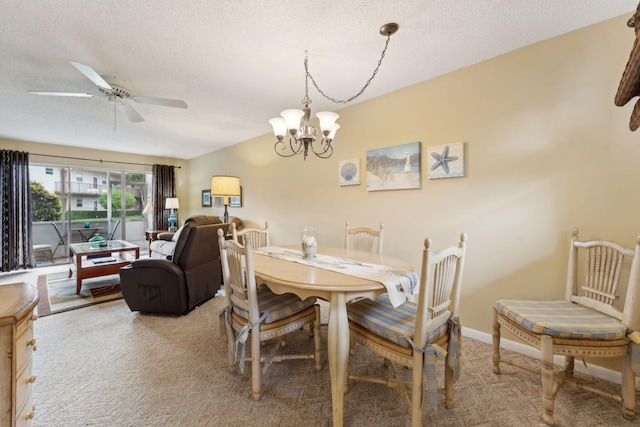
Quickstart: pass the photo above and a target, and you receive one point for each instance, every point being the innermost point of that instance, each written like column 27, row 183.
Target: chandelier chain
column 308, row 76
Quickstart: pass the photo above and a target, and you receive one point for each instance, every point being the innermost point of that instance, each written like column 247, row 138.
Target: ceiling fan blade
column 160, row 101
column 91, row 75
column 131, row 114
column 73, row 94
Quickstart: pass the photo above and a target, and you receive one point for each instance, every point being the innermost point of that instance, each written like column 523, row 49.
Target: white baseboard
column 527, row 350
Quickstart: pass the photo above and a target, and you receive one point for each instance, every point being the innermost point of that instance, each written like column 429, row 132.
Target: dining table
column 304, row 280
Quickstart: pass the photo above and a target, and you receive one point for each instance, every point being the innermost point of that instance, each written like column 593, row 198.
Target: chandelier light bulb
column 327, row 121
column 279, row 127
column 292, row 118
column 333, row 131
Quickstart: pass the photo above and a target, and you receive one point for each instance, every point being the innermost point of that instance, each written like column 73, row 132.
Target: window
column 78, row 203
column 79, row 177
column 48, row 171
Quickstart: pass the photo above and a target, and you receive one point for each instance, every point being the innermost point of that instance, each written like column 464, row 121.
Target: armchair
column 177, row 285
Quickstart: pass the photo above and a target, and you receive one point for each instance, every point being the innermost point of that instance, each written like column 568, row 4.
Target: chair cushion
column 393, row 324
column 561, row 319
column 277, row 306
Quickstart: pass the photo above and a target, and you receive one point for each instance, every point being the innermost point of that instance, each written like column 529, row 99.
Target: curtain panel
column 15, row 212
column 164, row 185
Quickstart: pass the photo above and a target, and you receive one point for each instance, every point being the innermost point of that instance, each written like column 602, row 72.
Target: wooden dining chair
column 364, row 239
column 415, row 333
column 256, row 237
column 255, row 313
column 591, row 322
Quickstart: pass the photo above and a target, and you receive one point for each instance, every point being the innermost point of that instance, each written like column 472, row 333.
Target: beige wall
column 546, row 150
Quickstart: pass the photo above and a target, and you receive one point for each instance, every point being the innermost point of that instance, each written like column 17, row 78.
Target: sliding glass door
column 74, row 204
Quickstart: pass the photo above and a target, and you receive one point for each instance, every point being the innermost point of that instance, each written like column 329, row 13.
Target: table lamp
column 173, row 204
column 225, row 187
column 147, row 211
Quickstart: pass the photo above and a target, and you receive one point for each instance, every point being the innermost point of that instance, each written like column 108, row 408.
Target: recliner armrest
column 167, row 235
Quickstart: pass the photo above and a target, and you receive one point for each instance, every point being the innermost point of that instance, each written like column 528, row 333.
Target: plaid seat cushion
column 393, row 324
column 277, row 306
column 561, row 319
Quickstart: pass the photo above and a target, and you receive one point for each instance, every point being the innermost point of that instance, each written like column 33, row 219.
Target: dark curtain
column 15, row 212
column 164, row 185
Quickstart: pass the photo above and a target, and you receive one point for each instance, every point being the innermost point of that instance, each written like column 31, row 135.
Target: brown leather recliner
column 177, row 286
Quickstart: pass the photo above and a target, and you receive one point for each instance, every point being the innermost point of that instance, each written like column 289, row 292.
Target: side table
column 152, row 235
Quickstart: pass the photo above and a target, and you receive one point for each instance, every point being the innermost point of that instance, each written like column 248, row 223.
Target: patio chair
column 364, row 239
column 256, row 314
column 62, row 238
column 113, row 230
column 414, row 334
column 590, row 322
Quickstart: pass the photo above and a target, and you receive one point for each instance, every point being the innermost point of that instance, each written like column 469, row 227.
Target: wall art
column 445, row 161
column 206, row 198
column 236, row 201
column 349, row 172
column 394, row 168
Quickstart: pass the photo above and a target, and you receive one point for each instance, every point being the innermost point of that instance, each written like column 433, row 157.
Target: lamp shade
column 171, row 203
column 225, row 186
column 148, row 209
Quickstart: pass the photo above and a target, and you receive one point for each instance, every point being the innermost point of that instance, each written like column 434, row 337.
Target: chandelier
column 302, row 135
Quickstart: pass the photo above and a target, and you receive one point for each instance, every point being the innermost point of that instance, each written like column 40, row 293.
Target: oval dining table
column 284, row 276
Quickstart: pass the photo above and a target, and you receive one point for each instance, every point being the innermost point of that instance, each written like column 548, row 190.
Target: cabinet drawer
column 24, row 384
column 25, row 323
column 24, row 417
column 24, row 346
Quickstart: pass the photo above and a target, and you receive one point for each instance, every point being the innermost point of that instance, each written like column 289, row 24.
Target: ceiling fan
column 118, row 92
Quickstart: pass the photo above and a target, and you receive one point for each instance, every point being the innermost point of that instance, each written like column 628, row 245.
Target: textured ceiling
column 239, row 63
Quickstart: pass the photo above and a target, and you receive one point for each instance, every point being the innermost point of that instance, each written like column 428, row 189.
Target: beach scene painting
column 394, row 168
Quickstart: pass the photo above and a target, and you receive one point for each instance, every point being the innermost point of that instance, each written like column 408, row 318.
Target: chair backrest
column 238, row 276
column 440, row 284
column 594, row 279
column 256, row 237
column 364, row 239
column 60, row 236
column 113, row 230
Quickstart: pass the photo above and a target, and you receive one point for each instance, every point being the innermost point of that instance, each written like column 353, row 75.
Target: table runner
column 400, row 284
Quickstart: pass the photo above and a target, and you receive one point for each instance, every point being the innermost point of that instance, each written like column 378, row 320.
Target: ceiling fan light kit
column 302, row 135
column 118, row 91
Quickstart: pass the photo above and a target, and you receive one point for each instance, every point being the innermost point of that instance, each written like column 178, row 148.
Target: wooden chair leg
column 548, row 395
column 416, row 389
column 569, row 362
column 496, row 343
column 255, row 363
column 448, row 383
column 316, row 339
column 628, row 388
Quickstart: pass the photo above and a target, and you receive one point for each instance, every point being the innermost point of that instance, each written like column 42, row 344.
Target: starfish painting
column 443, row 160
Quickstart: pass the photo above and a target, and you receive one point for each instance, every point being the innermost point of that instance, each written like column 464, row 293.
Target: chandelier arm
column 292, row 142
column 326, row 153
column 344, row 101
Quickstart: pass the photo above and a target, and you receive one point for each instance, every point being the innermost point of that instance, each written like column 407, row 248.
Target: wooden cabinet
column 17, row 344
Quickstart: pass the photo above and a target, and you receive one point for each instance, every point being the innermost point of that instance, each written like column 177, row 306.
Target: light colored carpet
column 106, row 366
